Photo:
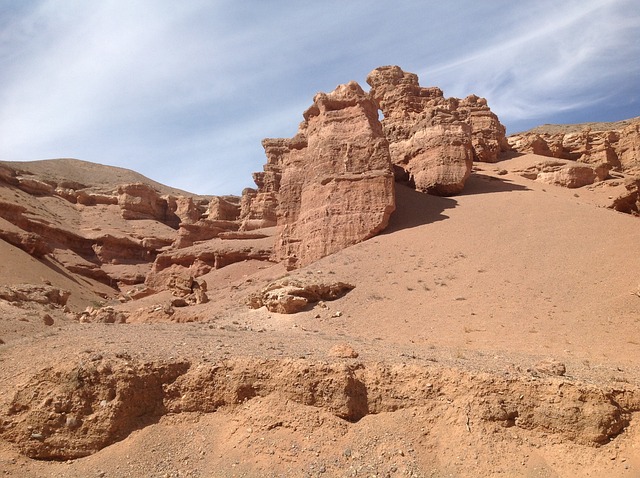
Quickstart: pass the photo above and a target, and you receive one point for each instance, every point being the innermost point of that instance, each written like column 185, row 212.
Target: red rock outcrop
column 41, row 294
column 109, row 233
column 223, row 208
column 567, row 173
column 628, row 148
column 290, row 296
column 333, row 181
column 201, row 258
column 203, row 230
column 629, row 201
column 433, row 138
column 258, row 207
column 140, row 201
column 488, row 135
column 188, row 290
column 616, row 144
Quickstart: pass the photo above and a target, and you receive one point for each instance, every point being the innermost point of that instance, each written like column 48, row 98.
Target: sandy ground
column 460, row 294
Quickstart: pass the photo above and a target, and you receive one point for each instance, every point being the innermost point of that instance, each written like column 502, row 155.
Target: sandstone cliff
column 333, row 181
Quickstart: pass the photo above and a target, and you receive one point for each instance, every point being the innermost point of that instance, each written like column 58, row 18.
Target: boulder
column 41, row 294
column 104, row 315
column 188, row 290
column 567, row 173
column 343, row 350
column 290, row 296
column 629, row 201
column 550, row 367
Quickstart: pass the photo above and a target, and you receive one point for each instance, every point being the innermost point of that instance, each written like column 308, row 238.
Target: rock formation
column 41, row 294
column 629, row 201
column 567, row 173
column 201, row 258
column 331, row 185
column 112, row 233
column 616, row 144
column 434, row 139
column 332, row 182
column 291, row 295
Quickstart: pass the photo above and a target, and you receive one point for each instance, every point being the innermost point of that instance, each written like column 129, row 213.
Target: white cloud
column 148, row 84
column 558, row 57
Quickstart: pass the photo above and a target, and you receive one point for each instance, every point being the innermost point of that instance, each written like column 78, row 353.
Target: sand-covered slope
column 494, row 333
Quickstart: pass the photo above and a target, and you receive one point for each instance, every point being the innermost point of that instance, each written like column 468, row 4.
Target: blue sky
column 184, row 91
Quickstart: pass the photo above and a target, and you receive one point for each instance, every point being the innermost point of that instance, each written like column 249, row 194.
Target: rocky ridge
column 586, row 154
column 120, row 235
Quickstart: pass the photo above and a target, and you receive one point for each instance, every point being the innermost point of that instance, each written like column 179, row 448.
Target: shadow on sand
column 482, row 184
column 414, row 208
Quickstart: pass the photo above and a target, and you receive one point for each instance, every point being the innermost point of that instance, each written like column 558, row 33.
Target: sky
column 184, row 91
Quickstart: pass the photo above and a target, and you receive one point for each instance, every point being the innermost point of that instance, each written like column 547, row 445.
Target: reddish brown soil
column 454, row 308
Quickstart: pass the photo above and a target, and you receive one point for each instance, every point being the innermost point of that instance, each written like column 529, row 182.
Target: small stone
column 179, row 302
column 337, row 314
column 47, row 320
column 550, row 367
column 72, row 422
column 343, row 350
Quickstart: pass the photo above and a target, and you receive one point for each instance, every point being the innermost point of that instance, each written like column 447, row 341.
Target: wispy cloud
column 184, row 91
column 556, row 58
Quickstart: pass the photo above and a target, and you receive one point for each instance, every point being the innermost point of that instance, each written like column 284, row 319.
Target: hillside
column 472, row 292
column 87, row 174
